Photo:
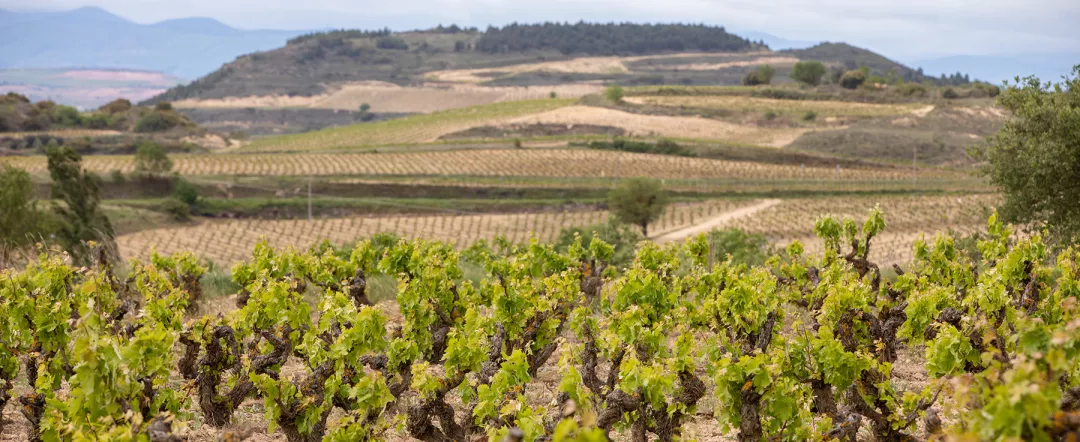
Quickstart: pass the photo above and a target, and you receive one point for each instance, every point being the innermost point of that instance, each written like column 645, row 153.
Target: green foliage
column 853, row 79
column 21, row 222
column 751, row 249
column 950, row 94
column 614, row 93
column 1033, row 158
column 808, row 72
column 179, row 210
column 762, row 75
column 638, row 201
column 185, row 192
column 809, row 116
column 621, row 236
column 392, row 43
column 151, row 158
column 609, row 38
column 662, row 147
column 79, row 214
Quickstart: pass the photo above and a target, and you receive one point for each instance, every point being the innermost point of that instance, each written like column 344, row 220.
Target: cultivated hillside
column 320, row 65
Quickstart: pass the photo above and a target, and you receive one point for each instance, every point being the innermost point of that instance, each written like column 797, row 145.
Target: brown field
column 562, row 163
column 232, row 240
column 772, row 61
column 391, row 98
column 822, row 108
column 664, row 126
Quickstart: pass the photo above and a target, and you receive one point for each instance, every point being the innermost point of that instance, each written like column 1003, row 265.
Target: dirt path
column 714, row 222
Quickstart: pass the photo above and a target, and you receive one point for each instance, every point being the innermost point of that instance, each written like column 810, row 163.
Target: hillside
column 851, row 57
column 308, row 64
column 94, row 38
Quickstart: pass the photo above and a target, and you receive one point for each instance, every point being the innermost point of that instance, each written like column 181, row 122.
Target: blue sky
column 910, row 29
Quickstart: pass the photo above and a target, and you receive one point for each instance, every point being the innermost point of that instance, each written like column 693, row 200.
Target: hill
column 851, row 57
column 94, row 38
column 996, row 69
column 307, row 64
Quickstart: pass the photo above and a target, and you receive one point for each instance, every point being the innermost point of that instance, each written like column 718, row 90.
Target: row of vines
column 801, row 348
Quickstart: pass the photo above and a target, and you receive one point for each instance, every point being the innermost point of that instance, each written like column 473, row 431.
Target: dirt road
column 714, row 222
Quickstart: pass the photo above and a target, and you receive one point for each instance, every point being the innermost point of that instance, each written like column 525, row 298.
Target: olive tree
column 638, row 201
column 1035, row 157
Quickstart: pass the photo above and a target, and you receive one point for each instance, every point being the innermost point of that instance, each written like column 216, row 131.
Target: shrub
column 392, row 43
column 517, row 143
column 809, row 116
column 116, row 106
column 911, row 90
column 177, row 208
column 365, row 107
column 185, row 192
column 97, row 120
column 163, row 106
column 552, row 94
column 117, row 176
column 614, row 93
column 762, row 75
column 663, row 147
column 808, row 72
column 950, row 94
column 154, row 122
column 770, row 115
column 744, row 248
column 853, row 79
column 151, row 158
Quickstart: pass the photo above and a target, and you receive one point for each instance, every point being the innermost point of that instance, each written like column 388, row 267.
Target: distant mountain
column 995, row 69
column 94, row 38
column 776, row 43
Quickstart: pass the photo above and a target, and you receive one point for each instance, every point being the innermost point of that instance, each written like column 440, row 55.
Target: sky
column 909, row 29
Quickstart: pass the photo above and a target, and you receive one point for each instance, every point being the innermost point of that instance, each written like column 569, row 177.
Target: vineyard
column 679, row 345
column 227, row 242
column 409, row 130
column 560, row 163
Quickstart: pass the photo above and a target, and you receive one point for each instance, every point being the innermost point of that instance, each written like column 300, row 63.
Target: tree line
column 610, row 38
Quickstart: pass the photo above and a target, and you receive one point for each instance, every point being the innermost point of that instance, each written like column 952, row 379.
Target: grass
column 408, row 130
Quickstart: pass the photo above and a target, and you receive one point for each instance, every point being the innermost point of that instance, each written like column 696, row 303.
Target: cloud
column 908, row 29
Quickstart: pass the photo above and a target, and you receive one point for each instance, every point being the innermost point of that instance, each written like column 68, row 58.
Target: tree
column 809, row 72
column 1035, row 156
column 150, row 158
column 80, row 216
column 21, row 223
column 614, row 93
column 638, row 201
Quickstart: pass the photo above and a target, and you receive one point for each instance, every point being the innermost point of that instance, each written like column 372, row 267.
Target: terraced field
column 751, row 104
column 561, row 163
column 409, row 130
column 229, row 241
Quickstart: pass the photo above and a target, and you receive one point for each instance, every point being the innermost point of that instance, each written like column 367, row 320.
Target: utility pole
column 309, row 217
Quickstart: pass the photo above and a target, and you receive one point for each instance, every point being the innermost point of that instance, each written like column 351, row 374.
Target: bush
column 808, row 72
column 809, row 116
column 552, row 94
column 853, row 79
column 638, row 201
column 762, row 75
column 177, row 208
column 365, row 107
column 155, row 122
column 614, row 93
column 151, row 158
column 663, row 147
column 392, row 43
column 97, row 120
column 911, row 90
column 770, row 115
column 117, row 176
column 744, row 248
column 185, row 192
column 163, row 106
column 950, row 94
column 116, row 106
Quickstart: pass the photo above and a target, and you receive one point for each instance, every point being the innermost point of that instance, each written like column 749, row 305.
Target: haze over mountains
column 95, row 38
